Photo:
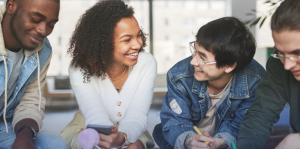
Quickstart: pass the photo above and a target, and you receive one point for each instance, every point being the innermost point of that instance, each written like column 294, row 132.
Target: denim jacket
column 193, row 100
column 25, row 99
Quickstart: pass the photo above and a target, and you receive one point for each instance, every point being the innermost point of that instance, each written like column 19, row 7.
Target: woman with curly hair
column 113, row 79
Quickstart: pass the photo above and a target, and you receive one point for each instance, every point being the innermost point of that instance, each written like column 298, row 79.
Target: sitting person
column 279, row 86
column 212, row 89
column 25, row 55
column 113, row 79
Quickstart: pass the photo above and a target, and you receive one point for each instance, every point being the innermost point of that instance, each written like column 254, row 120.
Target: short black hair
column 286, row 16
column 229, row 40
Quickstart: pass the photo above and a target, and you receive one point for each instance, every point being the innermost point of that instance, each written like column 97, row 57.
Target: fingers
column 104, row 145
column 198, row 145
column 113, row 129
column 205, row 133
column 105, row 138
column 203, row 138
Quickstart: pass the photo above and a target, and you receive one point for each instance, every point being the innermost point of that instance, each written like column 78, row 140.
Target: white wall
column 239, row 9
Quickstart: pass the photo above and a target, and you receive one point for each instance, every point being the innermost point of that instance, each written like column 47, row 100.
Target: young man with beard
column 211, row 90
column 280, row 85
column 25, row 54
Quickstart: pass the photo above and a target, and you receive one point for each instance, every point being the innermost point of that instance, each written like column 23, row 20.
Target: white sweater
column 98, row 99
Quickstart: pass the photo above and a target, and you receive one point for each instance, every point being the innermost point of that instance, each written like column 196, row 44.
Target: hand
column 24, row 140
column 291, row 142
column 136, row 145
column 114, row 139
column 198, row 141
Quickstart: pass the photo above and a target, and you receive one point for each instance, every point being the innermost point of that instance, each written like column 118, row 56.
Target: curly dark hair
column 92, row 42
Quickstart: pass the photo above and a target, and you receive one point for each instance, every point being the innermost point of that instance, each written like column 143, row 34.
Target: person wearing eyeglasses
column 280, row 85
column 212, row 89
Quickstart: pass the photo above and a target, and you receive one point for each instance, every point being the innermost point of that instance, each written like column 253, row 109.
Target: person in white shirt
column 113, row 79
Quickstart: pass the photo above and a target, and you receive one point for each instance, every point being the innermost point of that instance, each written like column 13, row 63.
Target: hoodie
column 27, row 101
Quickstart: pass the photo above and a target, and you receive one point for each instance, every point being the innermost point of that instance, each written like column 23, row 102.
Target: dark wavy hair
column 92, row 42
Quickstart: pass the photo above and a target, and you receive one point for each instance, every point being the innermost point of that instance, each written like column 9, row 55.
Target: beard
column 14, row 33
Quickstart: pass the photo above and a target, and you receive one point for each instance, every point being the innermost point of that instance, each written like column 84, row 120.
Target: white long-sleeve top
column 99, row 101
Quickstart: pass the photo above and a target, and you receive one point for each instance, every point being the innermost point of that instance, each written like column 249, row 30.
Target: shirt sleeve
column 135, row 120
column 269, row 101
column 176, row 120
column 88, row 99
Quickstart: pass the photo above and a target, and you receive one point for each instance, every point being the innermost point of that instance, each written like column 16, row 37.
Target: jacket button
column 231, row 115
column 193, row 115
column 119, row 114
column 117, row 123
column 119, row 103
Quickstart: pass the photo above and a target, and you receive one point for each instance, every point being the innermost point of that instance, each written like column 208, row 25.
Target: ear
column 230, row 68
column 11, row 7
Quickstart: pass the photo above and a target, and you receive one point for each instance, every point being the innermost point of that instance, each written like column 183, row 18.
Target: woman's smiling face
column 127, row 41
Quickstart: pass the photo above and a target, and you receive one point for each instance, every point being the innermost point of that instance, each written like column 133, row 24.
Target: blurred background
column 170, row 25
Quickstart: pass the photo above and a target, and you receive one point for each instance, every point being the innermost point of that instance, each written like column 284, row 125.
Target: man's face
column 33, row 20
column 206, row 72
column 288, row 43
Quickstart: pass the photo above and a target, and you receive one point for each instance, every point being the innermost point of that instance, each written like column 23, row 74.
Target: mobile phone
column 103, row 129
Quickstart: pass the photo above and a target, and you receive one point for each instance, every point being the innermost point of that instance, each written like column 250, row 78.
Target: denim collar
column 238, row 89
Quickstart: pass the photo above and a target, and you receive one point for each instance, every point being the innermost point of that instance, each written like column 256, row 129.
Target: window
column 187, row 17
column 183, row 18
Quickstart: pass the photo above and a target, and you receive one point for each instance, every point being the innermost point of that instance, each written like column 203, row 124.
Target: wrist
column 26, row 133
column 121, row 138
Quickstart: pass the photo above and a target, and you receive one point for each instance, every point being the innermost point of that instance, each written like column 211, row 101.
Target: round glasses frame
column 199, row 59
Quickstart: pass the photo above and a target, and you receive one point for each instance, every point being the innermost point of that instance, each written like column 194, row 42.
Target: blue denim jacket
column 192, row 97
column 27, row 74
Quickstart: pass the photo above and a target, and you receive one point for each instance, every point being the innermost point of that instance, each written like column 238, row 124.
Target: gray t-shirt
column 17, row 60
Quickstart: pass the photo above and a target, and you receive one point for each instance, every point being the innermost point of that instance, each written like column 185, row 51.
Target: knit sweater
column 101, row 104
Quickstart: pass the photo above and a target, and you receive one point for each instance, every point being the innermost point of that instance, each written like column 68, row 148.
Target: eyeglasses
column 199, row 59
column 294, row 57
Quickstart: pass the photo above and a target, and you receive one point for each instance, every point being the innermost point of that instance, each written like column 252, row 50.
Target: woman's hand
column 114, row 139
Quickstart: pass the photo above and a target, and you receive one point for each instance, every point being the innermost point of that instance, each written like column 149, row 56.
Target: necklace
column 120, row 76
column 118, row 84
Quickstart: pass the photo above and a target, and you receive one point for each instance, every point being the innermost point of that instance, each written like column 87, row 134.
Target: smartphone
column 103, row 129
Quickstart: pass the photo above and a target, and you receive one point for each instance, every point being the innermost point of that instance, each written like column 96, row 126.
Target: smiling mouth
column 132, row 55
column 35, row 39
column 198, row 70
column 296, row 72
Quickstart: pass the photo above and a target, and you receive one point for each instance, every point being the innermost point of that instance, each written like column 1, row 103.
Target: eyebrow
column 296, row 50
column 42, row 16
column 203, row 54
column 129, row 35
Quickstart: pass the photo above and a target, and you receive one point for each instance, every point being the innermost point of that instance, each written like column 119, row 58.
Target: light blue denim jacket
column 28, row 72
column 192, row 97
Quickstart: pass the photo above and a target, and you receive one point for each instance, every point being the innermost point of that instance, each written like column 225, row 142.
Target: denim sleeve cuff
column 228, row 138
column 179, row 144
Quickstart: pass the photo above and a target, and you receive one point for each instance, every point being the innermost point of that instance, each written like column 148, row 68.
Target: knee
column 157, row 131
column 158, row 136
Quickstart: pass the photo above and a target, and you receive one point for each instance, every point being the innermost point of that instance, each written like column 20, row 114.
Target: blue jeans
column 43, row 140
column 159, row 138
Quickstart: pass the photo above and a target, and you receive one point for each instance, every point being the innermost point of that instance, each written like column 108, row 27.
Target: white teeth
column 133, row 54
